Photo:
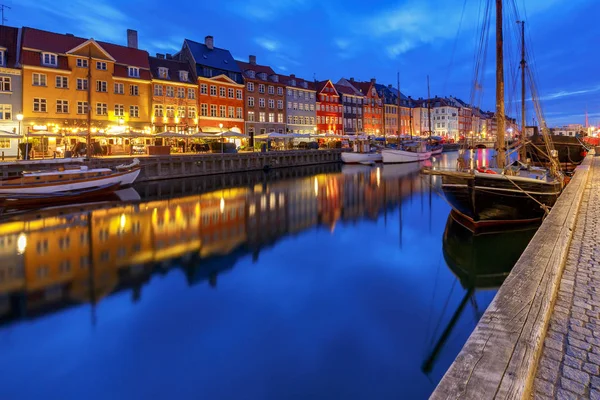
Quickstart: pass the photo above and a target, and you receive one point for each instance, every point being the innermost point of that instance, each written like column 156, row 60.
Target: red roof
column 286, row 79
column 8, row 39
column 346, row 90
column 59, row 43
column 322, row 84
column 244, row 66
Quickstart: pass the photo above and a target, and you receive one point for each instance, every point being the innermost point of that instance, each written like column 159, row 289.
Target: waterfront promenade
column 540, row 337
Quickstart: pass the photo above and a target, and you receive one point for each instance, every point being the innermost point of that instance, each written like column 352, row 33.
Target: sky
column 331, row 39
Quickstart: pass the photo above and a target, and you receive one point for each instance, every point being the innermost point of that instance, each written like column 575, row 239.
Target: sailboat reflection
column 480, row 261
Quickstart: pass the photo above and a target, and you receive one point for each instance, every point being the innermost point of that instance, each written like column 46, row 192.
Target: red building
column 372, row 107
column 329, row 108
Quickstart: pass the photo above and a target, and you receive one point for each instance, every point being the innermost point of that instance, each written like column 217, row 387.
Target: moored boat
column 29, row 200
column 359, row 158
column 409, row 153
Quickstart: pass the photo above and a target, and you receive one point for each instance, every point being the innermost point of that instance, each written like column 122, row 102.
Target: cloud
column 266, row 43
column 266, row 9
column 566, row 93
column 342, row 44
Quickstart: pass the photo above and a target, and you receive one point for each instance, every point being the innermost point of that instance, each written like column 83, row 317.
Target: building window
column 81, row 63
column 191, row 94
column 5, row 144
column 183, row 76
column 223, row 111
column 158, row 90
column 208, row 72
column 230, row 93
column 49, row 59
column 119, row 88
column 250, row 86
column 261, row 117
column 181, row 111
column 239, row 95
column 271, row 103
column 119, row 110
column 213, row 110
column 280, row 104
column 191, row 112
column 231, row 113
column 271, row 90
column 280, row 118
column 170, row 91
column 261, row 102
column 163, row 72
column 133, row 72
column 5, row 84
column 222, row 92
column 101, row 108
column 261, row 88
column 170, row 111
column 250, row 101
column 39, row 79
column 62, row 82
column 181, row 93
column 239, row 114
column 101, row 65
column 251, row 116
column 134, row 90
column 5, row 112
column 280, row 91
column 134, row 112
column 101, row 86
column 62, row 106
column 204, row 110
column 213, row 90
column 39, row 105
column 203, row 88
column 158, row 110
column 82, row 107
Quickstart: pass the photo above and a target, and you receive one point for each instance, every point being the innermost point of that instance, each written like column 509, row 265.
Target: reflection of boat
column 26, row 200
column 67, row 180
column 354, row 169
column 390, row 171
column 480, row 261
column 358, row 158
column 411, row 152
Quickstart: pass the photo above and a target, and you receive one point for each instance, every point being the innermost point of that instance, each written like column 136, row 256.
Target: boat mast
column 500, row 123
column 523, row 150
column 399, row 112
column 88, row 144
column 429, row 107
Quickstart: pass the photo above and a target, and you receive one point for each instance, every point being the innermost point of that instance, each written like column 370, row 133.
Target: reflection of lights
column 178, row 213
column 281, row 199
column 222, row 205
column 197, row 209
column 154, row 215
column 272, row 200
column 378, row 175
column 21, row 243
column 252, row 210
column 122, row 221
column 316, row 187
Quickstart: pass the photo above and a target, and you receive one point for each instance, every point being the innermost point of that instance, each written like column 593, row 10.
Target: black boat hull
column 487, row 199
column 570, row 151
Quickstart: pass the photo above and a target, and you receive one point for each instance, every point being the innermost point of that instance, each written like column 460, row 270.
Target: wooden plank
column 500, row 357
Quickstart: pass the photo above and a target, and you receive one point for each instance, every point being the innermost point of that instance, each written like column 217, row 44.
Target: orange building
column 329, row 109
column 64, row 76
column 372, row 108
column 221, row 94
column 174, row 95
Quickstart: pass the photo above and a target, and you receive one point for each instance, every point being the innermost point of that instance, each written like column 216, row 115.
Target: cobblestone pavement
column 569, row 367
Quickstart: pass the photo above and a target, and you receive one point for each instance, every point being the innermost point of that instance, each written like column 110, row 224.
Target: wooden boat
column 72, row 179
column 363, row 153
column 412, row 152
column 571, row 151
column 436, row 149
column 516, row 193
column 28, row 200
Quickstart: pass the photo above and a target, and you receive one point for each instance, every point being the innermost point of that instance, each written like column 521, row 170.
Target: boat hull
column 402, row 156
column 123, row 178
column 358, row 158
column 493, row 199
column 570, row 151
column 19, row 201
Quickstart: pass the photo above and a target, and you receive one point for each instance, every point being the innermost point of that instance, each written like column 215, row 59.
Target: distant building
column 569, row 130
column 265, row 95
column 329, row 108
column 351, row 109
column 300, row 103
column 372, row 105
column 221, row 86
column 11, row 86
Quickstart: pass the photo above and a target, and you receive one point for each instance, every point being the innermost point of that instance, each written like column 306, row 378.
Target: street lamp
column 121, row 121
column 221, row 130
column 19, row 118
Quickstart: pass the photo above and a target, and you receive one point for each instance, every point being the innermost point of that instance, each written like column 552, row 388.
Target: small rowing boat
column 27, row 200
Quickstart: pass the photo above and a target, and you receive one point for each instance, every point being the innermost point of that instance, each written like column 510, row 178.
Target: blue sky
column 352, row 38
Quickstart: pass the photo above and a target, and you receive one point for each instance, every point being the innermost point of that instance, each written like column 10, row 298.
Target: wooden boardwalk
column 502, row 356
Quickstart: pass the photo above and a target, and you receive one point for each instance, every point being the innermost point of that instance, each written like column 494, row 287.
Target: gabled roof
column 320, row 85
column 93, row 43
column 174, row 66
column 348, row 90
column 288, row 79
column 258, row 69
column 212, row 58
column 8, row 40
column 36, row 39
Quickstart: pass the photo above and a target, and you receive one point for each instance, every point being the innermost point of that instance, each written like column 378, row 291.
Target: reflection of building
column 76, row 257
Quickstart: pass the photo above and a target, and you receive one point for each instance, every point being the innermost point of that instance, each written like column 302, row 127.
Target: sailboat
column 513, row 193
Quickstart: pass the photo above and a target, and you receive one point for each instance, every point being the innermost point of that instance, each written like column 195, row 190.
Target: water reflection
column 325, row 282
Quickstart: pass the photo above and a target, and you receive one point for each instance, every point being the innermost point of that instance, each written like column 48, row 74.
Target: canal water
column 326, row 282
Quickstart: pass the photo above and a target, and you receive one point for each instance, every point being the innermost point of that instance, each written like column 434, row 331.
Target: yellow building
column 63, row 74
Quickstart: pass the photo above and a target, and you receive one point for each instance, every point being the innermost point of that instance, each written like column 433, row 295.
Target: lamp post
column 19, row 118
column 221, row 130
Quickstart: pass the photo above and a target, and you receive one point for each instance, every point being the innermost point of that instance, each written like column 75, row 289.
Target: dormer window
column 2, row 57
column 163, row 72
column 251, row 74
column 183, row 76
column 263, row 76
column 82, row 63
column 293, row 82
column 49, row 59
column 133, row 72
column 305, row 85
column 101, row 65
column 275, row 78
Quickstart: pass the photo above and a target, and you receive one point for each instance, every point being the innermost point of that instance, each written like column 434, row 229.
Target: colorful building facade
column 221, row 87
column 329, row 109
column 11, row 86
column 301, row 104
column 352, row 109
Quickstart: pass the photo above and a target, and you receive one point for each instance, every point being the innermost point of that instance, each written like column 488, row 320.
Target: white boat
column 409, row 153
column 62, row 180
column 361, row 158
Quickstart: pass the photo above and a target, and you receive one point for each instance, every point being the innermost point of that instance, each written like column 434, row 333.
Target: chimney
column 161, row 56
column 209, row 41
column 69, row 35
column 132, row 39
column 390, row 86
column 352, row 80
column 293, row 76
column 252, row 60
column 169, row 56
column 373, row 81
